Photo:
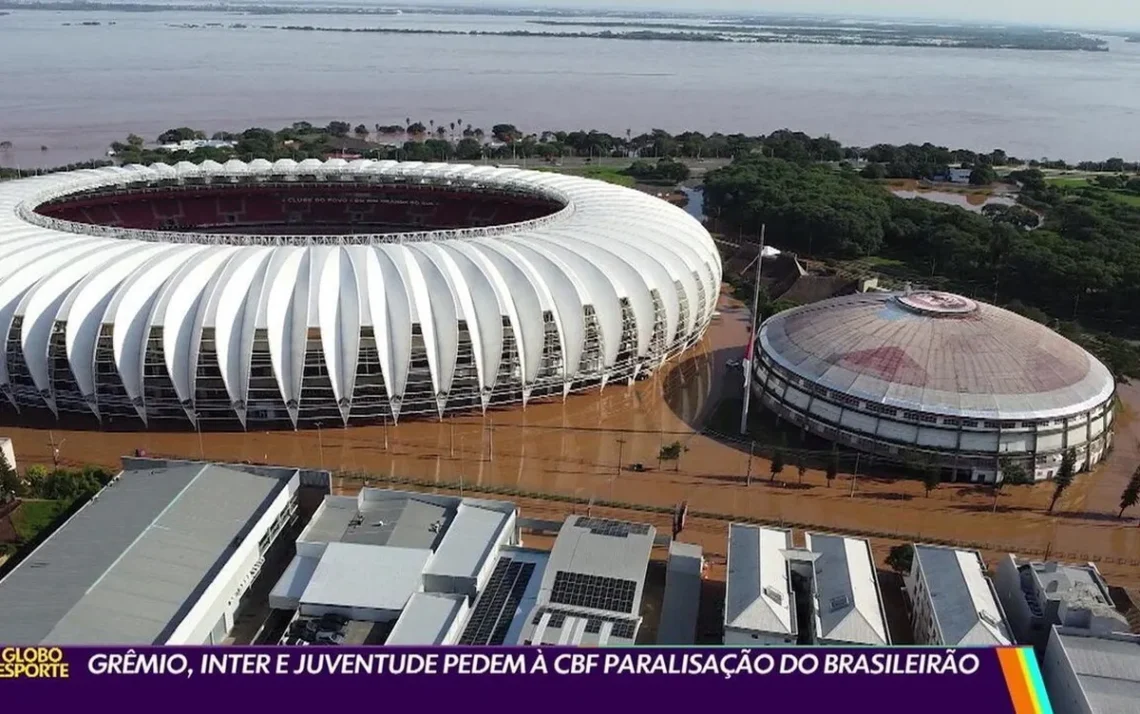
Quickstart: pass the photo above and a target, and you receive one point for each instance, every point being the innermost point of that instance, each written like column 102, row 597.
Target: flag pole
column 748, row 354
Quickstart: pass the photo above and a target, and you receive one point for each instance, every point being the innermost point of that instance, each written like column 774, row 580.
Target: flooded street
column 573, row 450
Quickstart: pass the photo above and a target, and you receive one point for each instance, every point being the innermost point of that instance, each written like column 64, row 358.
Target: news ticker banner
column 992, row 681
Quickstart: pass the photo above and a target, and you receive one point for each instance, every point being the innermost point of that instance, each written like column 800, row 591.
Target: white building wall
column 896, row 431
column 222, row 597
column 1061, row 681
column 743, row 638
column 938, row 438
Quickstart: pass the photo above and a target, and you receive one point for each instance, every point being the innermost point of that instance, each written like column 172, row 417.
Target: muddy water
column 574, row 448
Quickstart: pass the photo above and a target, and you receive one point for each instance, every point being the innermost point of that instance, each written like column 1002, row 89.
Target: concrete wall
column 1060, row 681
column 743, row 638
column 221, row 598
column 1007, row 583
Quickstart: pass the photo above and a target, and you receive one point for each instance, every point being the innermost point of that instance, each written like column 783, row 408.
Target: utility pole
column 491, row 439
column 198, row 428
column 755, row 322
column 321, row 446
column 751, row 451
column 621, row 448
column 385, row 433
column 452, row 439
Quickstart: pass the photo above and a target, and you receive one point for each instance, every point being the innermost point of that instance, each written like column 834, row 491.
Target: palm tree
column 833, row 466
column 407, row 122
column 801, row 468
column 452, row 127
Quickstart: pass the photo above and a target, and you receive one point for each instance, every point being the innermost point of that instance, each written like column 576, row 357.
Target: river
column 74, row 89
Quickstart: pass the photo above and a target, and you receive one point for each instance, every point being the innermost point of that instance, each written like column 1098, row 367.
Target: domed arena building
column 272, row 294
column 935, row 376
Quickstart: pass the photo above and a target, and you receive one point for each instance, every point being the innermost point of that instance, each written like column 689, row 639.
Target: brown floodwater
column 574, row 447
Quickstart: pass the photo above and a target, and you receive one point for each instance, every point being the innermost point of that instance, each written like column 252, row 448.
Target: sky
column 1099, row 14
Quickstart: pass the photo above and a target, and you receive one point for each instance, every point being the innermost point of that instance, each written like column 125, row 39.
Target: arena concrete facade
column 935, row 376
column 299, row 292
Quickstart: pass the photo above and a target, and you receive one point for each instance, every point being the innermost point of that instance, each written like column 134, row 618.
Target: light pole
column 385, row 433
column 621, row 449
column 321, row 446
column 198, row 428
column 855, row 475
column 451, row 439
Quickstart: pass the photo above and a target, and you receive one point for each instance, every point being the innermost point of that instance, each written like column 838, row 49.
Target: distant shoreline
column 629, row 26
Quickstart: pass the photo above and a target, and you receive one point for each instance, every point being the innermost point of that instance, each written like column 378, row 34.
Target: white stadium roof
column 606, row 245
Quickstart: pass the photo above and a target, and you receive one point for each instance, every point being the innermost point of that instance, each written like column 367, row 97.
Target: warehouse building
column 394, row 567
column 1086, row 673
column 847, row 605
column 953, row 602
column 826, row 593
column 681, row 603
column 164, row 554
column 591, row 588
column 759, row 607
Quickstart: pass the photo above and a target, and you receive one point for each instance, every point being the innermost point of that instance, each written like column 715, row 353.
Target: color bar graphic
column 1023, row 677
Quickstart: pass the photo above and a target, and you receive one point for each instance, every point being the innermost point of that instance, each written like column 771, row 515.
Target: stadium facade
column 276, row 293
column 937, row 377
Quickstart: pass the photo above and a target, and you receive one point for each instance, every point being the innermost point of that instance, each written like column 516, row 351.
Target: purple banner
column 205, row 679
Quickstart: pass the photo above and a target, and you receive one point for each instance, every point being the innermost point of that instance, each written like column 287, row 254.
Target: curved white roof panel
column 219, row 324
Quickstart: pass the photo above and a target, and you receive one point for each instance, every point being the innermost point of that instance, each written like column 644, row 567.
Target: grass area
column 609, row 174
column 1067, row 181
column 33, row 516
column 1129, row 198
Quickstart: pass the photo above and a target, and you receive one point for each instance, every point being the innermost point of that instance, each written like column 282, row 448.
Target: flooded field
column 582, row 448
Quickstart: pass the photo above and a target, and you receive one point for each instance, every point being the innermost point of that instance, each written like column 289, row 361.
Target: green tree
column 777, row 465
column 982, row 176
column 361, row 131
column 338, row 128
column 801, row 468
column 10, row 482
column 1131, row 494
column 874, row 172
column 671, row 452
column 931, row 476
column 832, row 467
column 1010, row 473
column 1064, row 477
column 900, row 558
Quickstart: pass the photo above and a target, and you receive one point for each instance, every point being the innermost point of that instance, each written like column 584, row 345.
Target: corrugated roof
column 376, row 577
column 758, row 595
column 973, row 359
column 130, row 564
column 1108, row 669
column 426, row 619
column 682, row 601
column 847, row 605
column 965, row 606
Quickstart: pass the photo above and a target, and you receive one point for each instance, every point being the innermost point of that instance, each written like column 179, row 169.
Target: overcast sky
column 1103, row 14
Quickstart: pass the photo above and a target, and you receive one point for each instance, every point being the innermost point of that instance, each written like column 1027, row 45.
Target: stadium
column 935, row 377
column 291, row 293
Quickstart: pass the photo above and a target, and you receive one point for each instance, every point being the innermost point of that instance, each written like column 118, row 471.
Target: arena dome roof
column 606, row 254
column 936, row 353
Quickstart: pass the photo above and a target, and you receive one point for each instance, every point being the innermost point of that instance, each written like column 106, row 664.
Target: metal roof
column 1107, row 668
column 846, row 589
column 469, row 538
column 426, row 619
column 758, row 595
column 607, row 244
column 937, row 353
column 373, row 577
column 682, row 600
column 390, row 518
column 965, row 606
column 132, row 562
column 592, row 558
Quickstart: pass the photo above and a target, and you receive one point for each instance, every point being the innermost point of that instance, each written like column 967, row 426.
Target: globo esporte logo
column 33, row 663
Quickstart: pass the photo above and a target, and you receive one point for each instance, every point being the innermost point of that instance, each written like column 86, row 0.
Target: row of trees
column 1082, row 263
column 55, row 484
